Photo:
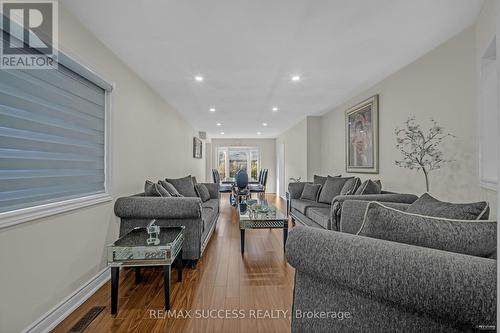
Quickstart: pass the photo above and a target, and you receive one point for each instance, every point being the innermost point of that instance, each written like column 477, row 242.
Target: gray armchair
column 363, row 284
column 198, row 217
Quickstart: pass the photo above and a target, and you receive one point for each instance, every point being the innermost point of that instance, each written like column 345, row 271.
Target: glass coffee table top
column 259, row 210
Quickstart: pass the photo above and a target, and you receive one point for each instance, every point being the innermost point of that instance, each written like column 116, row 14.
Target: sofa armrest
column 353, row 214
column 338, row 201
column 213, row 189
column 456, row 287
column 295, row 189
column 140, row 207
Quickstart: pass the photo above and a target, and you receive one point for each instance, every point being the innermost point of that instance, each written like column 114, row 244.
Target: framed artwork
column 197, row 148
column 362, row 137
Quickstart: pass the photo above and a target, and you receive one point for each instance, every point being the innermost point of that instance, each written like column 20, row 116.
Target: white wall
column 44, row 261
column 267, row 149
column 295, row 141
column 313, row 146
column 440, row 85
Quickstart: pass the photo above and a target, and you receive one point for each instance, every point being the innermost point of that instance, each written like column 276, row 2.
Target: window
column 52, row 140
column 232, row 159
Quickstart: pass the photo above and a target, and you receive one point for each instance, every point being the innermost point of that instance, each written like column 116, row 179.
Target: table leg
column 115, row 277
column 179, row 266
column 166, row 285
column 242, row 239
column 137, row 275
column 285, row 235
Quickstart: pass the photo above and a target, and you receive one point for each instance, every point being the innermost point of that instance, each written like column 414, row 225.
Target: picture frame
column 197, row 148
column 362, row 137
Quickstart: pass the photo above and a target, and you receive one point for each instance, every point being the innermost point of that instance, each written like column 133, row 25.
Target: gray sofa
column 327, row 216
column 199, row 218
column 364, row 284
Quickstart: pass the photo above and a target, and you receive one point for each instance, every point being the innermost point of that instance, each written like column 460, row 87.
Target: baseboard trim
column 58, row 313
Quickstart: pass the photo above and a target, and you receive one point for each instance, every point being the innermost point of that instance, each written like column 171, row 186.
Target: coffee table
column 270, row 217
column 132, row 250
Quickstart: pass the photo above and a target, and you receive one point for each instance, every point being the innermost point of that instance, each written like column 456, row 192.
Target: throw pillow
column 460, row 236
column 332, row 188
column 163, row 191
column 428, row 205
column 368, row 187
column 350, row 186
column 203, row 192
column 151, row 189
column 321, row 180
column 170, row 188
column 310, row 192
column 184, row 186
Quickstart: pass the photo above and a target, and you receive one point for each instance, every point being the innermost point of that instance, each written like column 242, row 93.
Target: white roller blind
column 52, row 137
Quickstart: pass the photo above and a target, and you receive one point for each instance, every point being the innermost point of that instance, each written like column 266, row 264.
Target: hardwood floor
column 261, row 279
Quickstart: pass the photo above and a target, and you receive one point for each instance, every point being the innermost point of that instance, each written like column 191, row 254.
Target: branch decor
column 421, row 149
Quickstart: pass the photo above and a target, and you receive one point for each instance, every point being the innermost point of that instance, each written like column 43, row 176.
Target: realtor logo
column 29, row 38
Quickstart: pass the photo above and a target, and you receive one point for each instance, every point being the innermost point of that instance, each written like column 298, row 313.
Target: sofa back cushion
column 170, row 188
column 185, row 185
column 310, row 192
column 428, row 205
column 461, row 236
column 154, row 190
column 369, row 187
column 332, row 188
column 321, row 179
column 350, row 186
column 203, row 192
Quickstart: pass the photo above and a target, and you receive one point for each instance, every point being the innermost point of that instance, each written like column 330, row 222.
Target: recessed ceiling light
column 198, row 78
column 259, row 133
column 264, row 124
column 212, row 109
column 219, row 124
column 274, row 109
column 295, row 78
column 222, row 133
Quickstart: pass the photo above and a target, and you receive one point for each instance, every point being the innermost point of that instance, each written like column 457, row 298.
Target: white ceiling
column 247, row 51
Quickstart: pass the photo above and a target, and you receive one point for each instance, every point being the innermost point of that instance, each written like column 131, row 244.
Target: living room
column 267, row 138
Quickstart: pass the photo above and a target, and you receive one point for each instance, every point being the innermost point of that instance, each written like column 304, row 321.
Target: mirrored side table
column 132, row 250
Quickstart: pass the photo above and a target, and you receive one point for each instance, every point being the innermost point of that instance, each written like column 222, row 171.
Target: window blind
column 52, row 137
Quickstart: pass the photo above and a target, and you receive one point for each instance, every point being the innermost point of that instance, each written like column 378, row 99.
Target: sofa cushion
column 184, row 186
column 154, row 190
column 319, row 215
column 202, row 192
column 310, row 192
column 332, row 188
column 350, row 186
column 170, row 188
column 369, row 187
column 303, row 205
column 207, row 215
column 430, row 206
column 212, row 204
column 460, row 236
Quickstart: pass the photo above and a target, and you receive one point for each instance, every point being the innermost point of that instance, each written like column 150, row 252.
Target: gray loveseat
column 199, row 218
column 327, row 216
